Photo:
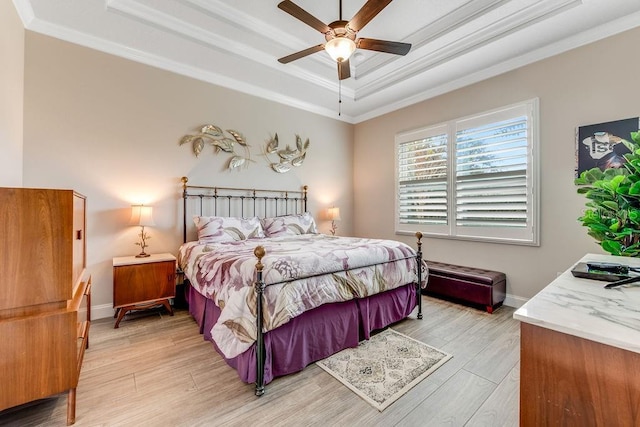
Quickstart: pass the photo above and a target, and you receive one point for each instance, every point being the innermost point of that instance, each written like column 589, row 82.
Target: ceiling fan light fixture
column 340, row 48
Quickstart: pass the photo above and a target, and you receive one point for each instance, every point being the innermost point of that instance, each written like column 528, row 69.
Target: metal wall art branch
column 287, row 157
column 216, row 137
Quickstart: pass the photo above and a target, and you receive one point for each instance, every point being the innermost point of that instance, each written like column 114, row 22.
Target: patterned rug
column 385, row 367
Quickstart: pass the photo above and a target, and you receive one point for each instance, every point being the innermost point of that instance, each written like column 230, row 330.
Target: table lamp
column 334, row 215
column 142, row 216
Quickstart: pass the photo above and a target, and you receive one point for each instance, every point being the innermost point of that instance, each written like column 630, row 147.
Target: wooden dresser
column 580, row 352
column 45, row 295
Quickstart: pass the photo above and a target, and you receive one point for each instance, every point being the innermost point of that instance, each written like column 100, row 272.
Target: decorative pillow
column 216, row 229
column 289, row 225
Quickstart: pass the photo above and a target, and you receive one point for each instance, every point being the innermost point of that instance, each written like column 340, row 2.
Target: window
column 472, row 178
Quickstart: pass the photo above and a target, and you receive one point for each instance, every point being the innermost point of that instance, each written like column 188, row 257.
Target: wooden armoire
column 45, row 295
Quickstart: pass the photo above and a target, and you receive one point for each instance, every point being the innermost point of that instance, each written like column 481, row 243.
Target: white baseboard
column 514, row 301
column 99, row 311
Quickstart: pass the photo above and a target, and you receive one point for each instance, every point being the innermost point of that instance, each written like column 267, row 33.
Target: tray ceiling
column 236, row 44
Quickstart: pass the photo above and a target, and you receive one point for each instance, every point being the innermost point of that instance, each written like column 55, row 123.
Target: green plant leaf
column 593, row 175
column 611, row 172
column 634, row 189
column 613, row 247
column 612, row 216
column 599, row 237
column 616, row 181
column 630, row 146
column 634, row 216
column 634, row 163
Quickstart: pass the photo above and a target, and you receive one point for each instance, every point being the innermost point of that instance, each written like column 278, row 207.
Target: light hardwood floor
column 156, row 370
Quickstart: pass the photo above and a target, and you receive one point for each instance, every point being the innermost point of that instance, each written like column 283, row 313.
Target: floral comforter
column 301, row 273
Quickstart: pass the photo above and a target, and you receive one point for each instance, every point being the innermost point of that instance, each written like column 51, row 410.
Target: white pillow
column 289, row 225
column 216, row 229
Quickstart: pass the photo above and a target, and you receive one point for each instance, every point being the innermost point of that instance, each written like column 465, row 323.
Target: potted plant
column 613, row 210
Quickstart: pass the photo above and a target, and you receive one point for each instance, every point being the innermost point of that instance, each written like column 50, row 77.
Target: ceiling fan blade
column 397, row 48
column 301, row 54
column 297, row 12
column 344, row 70
column 367, row 13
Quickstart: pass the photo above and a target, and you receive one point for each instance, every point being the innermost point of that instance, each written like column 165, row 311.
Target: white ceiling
column 236, row 44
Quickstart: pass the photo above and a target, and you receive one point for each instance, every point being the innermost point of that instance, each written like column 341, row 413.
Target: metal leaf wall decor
column 215, row 136
column 286, row 157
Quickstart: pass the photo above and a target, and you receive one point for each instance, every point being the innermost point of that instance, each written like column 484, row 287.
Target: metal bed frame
column 250, row 201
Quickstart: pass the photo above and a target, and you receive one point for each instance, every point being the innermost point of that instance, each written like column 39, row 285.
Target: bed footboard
column 260, row 252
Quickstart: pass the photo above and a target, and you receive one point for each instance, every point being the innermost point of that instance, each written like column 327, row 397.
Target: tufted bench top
column 478, row 275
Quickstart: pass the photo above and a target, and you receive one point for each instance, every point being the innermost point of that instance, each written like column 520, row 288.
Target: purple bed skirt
column 312, row 336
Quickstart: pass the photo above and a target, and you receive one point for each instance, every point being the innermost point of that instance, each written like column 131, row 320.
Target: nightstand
column 143, row 283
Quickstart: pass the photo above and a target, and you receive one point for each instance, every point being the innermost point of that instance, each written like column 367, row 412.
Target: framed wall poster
column 600, row 145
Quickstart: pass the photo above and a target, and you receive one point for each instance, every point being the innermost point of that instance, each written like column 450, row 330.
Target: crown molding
column 439, row 28
column 102, row 45
column 367, row 93
column 25, row 12
column 223, row 12
column 165, row 22
column 581, row 39
column 508, row 24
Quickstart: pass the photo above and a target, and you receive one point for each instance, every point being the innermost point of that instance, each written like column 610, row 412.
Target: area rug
column 385, row 367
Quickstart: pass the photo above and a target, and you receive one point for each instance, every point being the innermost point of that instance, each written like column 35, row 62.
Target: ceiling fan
column 341, row 35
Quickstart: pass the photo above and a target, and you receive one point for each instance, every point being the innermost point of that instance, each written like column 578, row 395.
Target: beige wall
column 12, row 37
column 592, row 84
column 109, row 128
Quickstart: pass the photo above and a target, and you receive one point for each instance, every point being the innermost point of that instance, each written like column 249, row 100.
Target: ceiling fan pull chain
column 339, row 97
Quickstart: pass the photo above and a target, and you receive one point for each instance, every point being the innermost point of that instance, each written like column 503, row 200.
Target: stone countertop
column 584, row 308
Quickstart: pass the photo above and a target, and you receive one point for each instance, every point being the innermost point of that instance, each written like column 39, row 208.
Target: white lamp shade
column 333, row 214
column 142, row 215
column 340, row 48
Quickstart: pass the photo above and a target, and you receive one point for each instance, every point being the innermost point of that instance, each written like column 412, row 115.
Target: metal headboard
column 240, row 202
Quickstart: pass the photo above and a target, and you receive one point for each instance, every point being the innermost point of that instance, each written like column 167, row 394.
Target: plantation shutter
column 473, row 178
column 491, row 174
column 422, row 179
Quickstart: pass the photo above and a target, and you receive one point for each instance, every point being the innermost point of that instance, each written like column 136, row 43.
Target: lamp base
column 142, row 255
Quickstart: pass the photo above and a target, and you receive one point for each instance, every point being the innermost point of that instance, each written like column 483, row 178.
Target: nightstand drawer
column 143, row 283
column 140, row 283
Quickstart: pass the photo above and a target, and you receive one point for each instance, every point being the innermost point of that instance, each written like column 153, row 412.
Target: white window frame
column 527, row 235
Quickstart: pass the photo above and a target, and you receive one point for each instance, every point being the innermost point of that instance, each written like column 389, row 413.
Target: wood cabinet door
column 37, row 356
column 35, row 247
column 140, row 283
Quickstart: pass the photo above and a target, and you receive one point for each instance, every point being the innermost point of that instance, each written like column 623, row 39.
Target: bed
column 272, row 295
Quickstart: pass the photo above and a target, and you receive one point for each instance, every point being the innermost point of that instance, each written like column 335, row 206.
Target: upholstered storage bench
column 470, row 285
